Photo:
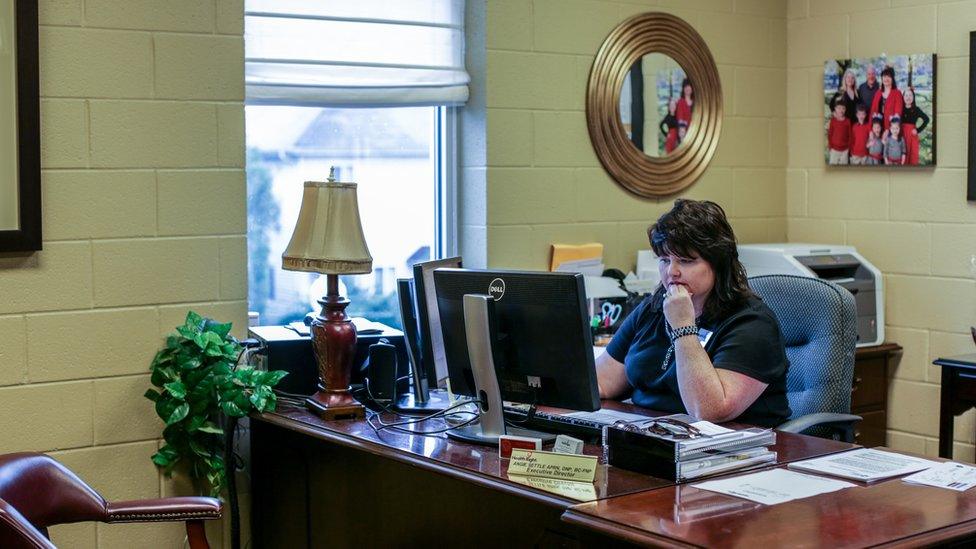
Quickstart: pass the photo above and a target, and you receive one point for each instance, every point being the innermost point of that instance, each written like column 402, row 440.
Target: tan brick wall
column 144, row 217
column 915, row 225
column 545, row 184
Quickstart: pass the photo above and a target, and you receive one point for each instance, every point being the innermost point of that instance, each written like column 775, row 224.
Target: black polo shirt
column 748, row 341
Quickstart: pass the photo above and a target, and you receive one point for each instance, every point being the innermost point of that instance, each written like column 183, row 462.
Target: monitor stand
column 411, row 403
column 479, row 326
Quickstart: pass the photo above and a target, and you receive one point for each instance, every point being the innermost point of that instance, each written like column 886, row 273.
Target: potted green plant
column 198, row 379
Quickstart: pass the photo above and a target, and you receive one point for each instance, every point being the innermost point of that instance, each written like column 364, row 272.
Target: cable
column 396, row 426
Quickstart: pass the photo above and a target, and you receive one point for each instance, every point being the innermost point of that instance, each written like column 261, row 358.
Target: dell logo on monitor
column 496, row 289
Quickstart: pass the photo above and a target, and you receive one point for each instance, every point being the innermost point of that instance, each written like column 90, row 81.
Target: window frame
column 444, row 159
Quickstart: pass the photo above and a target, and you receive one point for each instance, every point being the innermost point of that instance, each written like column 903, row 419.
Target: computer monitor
column 536, row 335
column 420, row 399
column 431, row 343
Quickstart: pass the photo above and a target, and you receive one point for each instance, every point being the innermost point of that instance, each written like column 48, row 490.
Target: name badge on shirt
column 704, row 336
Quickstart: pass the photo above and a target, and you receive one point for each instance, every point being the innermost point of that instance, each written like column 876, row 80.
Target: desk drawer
column 871, row 431
column 869, row 384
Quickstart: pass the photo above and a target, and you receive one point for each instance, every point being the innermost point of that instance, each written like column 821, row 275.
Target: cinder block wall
column 545, row 184
column 142, row 137
column 914, row 224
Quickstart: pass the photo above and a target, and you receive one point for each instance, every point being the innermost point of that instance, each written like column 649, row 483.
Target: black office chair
column 819, row 324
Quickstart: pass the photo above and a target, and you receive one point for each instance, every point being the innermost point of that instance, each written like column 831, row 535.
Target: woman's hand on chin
column 678, row 308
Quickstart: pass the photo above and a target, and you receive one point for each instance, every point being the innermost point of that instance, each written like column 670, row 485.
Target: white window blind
column 355, row 53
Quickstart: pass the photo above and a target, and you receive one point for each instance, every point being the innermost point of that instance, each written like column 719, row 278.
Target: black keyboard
column 590, row 431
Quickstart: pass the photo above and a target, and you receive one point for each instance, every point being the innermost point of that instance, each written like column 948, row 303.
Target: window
column 392, row 153
column 326, row 87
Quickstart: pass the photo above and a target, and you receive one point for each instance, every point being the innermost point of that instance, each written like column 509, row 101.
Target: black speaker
column 381, row 371
column 284, row 349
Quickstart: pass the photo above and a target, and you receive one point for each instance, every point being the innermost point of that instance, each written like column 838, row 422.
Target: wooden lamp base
column 334, row 343
column 335, row 405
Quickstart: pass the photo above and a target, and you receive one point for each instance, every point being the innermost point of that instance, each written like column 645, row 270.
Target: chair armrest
column 803, row 423
column 17, row 532
column 163, row 510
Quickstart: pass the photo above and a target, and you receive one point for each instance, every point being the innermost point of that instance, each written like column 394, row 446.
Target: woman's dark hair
column 890, row 71
column 687, row 82
column 699, row 228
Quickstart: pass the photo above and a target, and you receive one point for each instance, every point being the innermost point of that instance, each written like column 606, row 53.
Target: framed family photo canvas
column 20, row 149
column 880, row 111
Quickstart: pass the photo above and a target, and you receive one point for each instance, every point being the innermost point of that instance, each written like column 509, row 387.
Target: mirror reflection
column 656, row 102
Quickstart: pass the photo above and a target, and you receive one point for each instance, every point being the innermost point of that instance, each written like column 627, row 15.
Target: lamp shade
column 328, row 236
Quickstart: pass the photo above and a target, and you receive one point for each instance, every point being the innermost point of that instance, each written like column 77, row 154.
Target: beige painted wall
column 544, row 183
column 915, row 225
column 142, row 138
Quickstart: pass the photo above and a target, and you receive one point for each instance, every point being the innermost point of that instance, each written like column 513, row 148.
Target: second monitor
column 542, row 348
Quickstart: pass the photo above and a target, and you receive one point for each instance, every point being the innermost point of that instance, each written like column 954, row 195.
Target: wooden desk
column 869, row 392
column 890, row 513
column 957, row 395
column 340, row 484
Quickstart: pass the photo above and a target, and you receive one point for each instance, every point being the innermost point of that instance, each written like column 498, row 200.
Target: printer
column 841, row 265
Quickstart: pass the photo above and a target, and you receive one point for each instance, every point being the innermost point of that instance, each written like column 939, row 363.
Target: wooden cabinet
column 869, row 392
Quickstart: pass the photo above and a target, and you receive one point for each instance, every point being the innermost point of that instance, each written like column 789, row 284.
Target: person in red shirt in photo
column 686, row 103
column 839, row 135
column 910, row 127
column 888, row 101
column 669, row 127
column 859, row 136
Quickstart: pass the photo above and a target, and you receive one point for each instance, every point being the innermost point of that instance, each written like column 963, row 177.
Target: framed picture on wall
column 880, row 111
column 971, row 170
column 20, row 149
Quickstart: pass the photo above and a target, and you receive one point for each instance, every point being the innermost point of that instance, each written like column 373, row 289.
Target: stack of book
column 666, row 450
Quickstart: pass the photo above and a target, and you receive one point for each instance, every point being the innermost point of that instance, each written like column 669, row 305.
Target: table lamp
column 328, row 239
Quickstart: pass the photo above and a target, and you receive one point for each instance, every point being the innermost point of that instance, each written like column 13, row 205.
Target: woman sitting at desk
column 703, row 343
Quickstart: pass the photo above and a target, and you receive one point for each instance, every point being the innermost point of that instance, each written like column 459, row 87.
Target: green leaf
column 232, row 409
column 195, row 422
column 178, row 414
column 199, row 449
column 161, row 461
column 191, row 363
column 193, row 320
column 212, row 428
column 177, row 389
column 221, row 330
column 271, row 378
column 222, row 369
column 259, row 402
column 151, row 395
column 162, row 375
column 165, row 406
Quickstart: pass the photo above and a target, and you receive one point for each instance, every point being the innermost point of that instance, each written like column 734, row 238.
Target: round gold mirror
column 654, row 105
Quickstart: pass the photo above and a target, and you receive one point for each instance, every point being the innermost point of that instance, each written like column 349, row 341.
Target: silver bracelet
column 684, row 331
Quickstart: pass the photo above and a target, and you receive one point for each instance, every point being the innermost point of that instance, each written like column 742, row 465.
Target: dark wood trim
column 971, row 170
column 413, row 459
column 28, row 236
column 876, row 350
column 588, row 523
column 956, row 532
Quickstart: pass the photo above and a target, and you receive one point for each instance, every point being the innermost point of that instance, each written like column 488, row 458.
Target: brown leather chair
column 36, row 492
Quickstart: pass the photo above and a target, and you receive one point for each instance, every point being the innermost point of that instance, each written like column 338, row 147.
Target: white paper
column 591, row 266
column 774, row 486
column 865, row 464
column 608, row 417
column 601, row 287
column 709, row 428
column 951, row 475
